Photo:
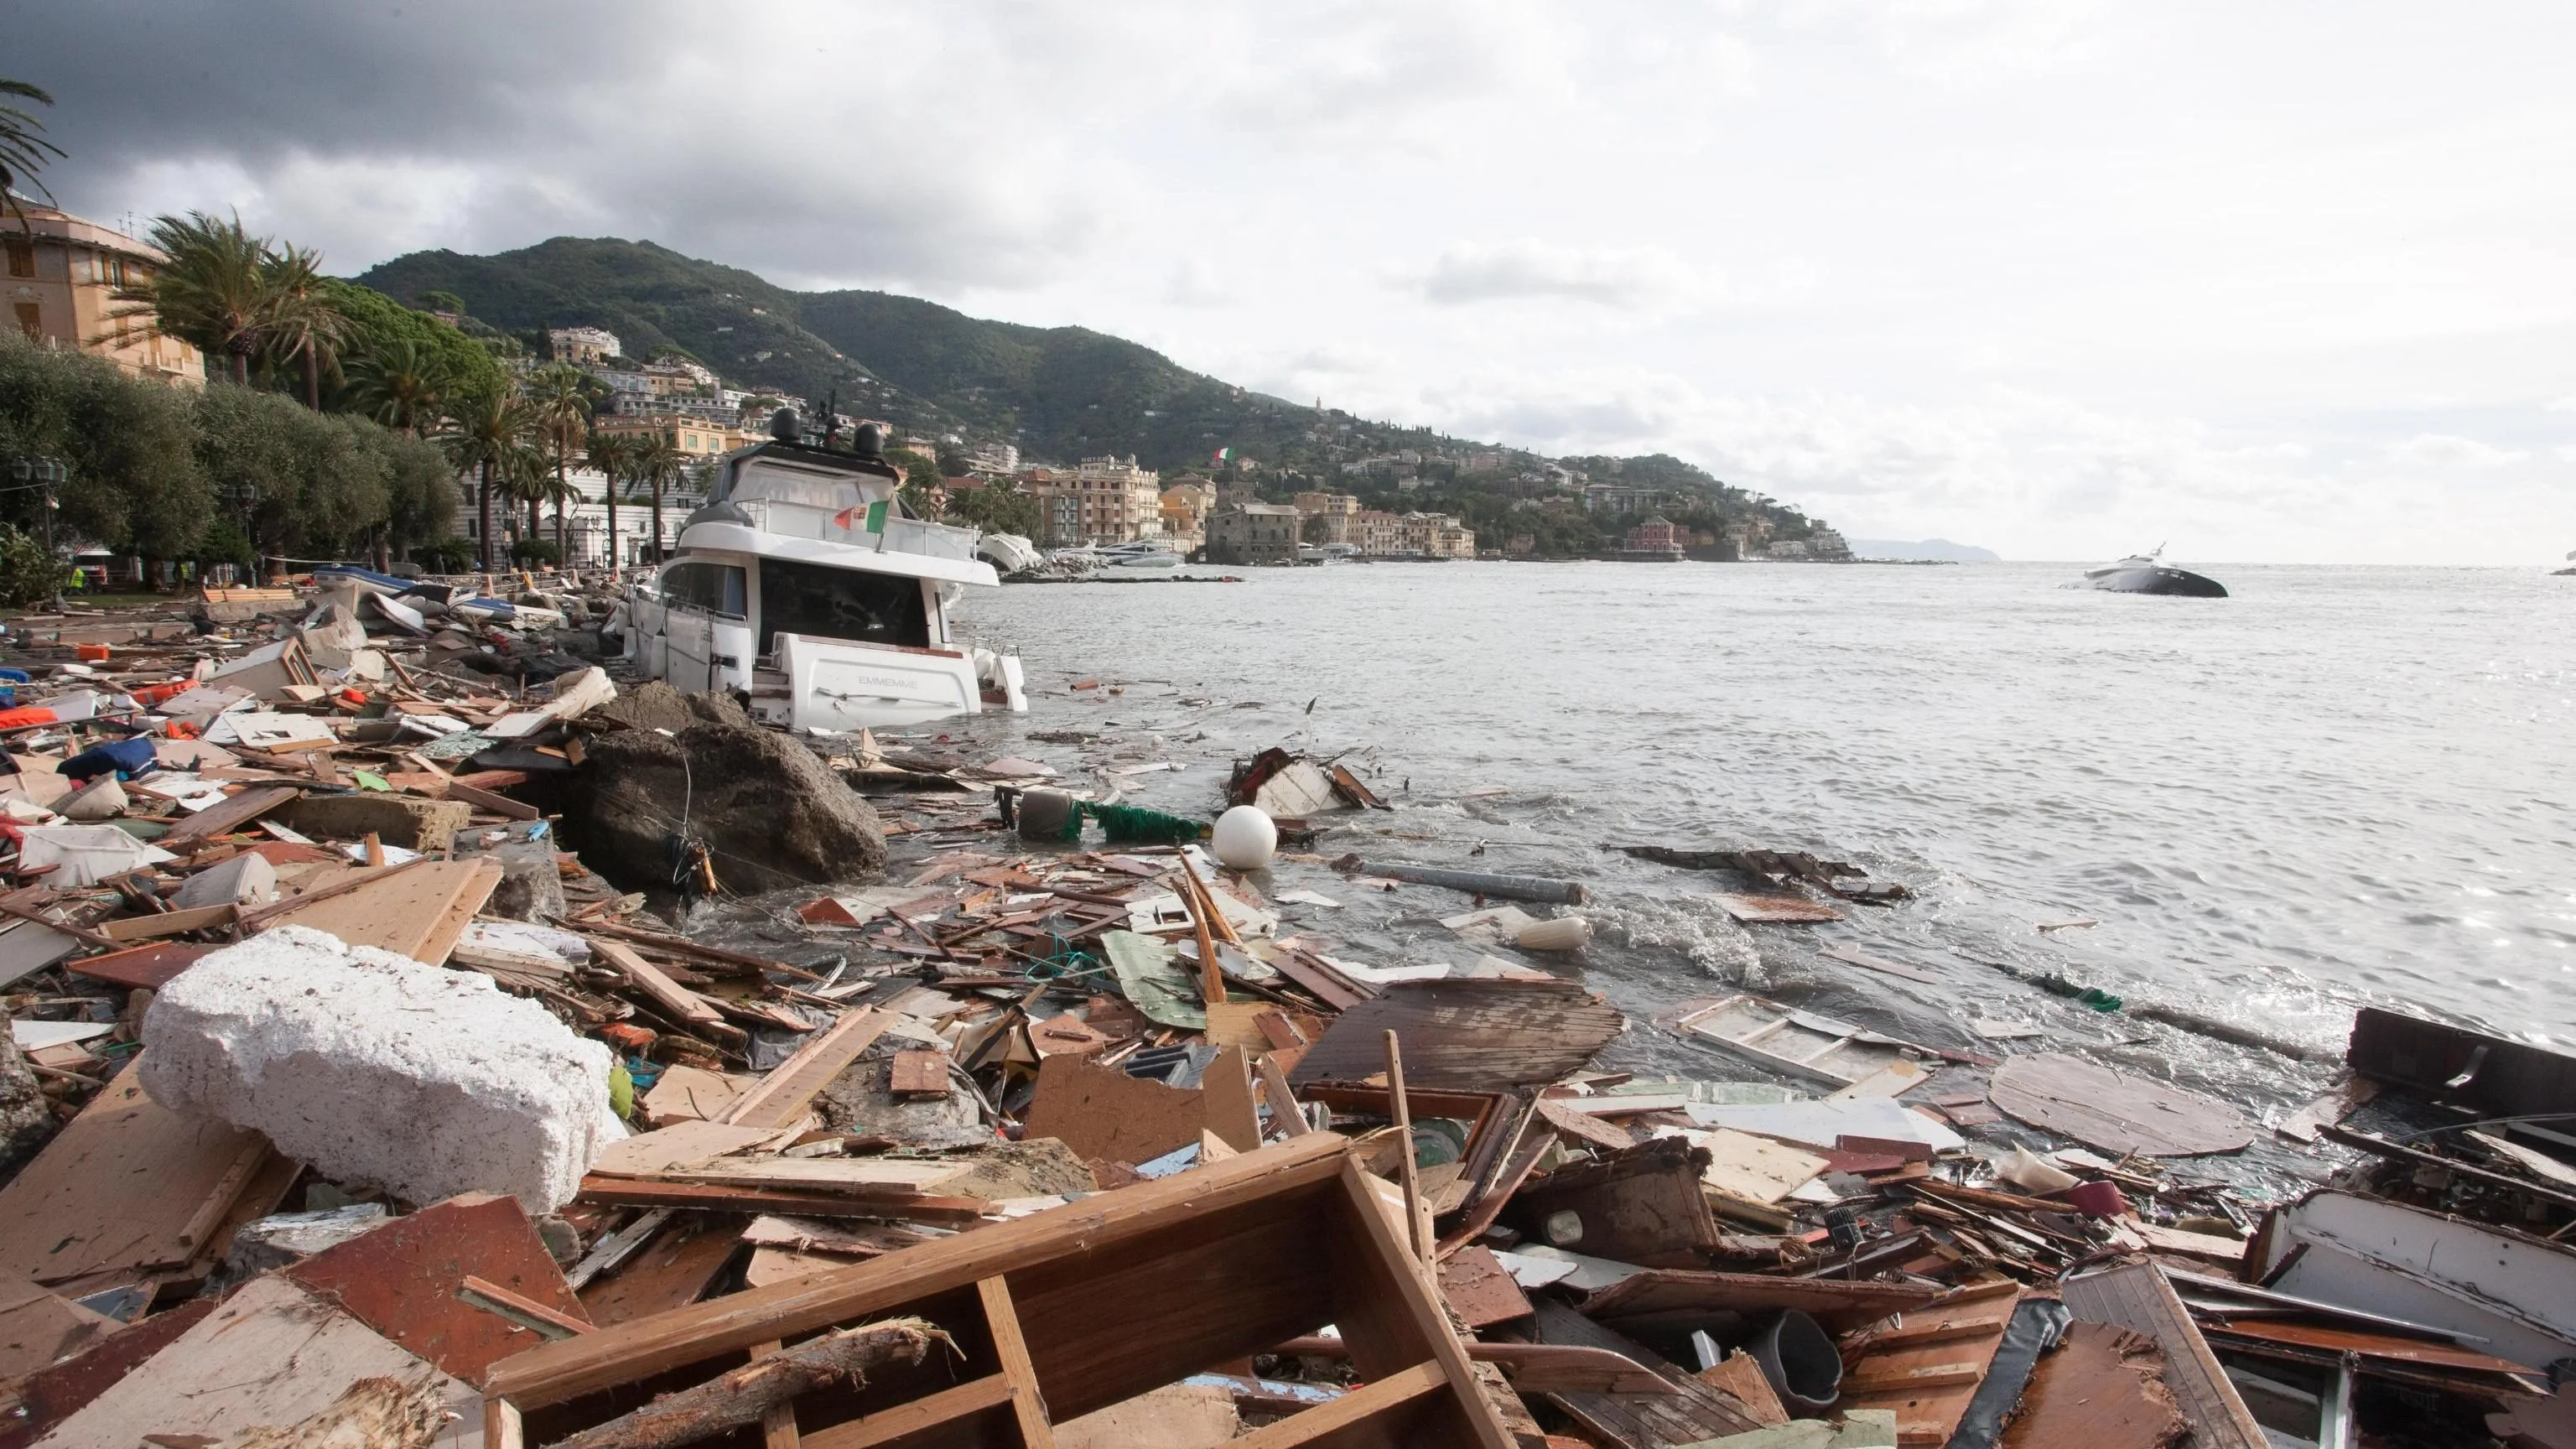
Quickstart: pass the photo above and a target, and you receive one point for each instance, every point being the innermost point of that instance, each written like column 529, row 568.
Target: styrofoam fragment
column 373, row 1068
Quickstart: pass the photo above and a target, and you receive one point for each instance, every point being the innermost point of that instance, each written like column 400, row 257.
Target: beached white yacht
column 802, row 583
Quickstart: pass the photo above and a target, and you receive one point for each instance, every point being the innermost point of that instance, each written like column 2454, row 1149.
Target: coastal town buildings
column 581, row 345
column 1252, row 533
column 1186, row 506
column 586, row 536
column 1616, row 499
column 1102, row 500
column 1657, row 540
column 1335, row 509
column 697, row 437
column 62, row 275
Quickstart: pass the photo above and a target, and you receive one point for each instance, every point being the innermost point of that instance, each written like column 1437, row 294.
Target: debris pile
column 348, row 1104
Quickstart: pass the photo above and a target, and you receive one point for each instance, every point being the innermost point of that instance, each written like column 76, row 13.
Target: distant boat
column 2145, row 573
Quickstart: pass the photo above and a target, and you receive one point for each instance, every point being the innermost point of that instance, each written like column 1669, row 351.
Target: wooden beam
column 904, row 1420
column 680, row 1002
column 168, row 923
column 1028, row 1405
column 1412, row 1285
column 778, row 1426
column 1417, row 1226
column 782, row 1095
column 1365, row 1402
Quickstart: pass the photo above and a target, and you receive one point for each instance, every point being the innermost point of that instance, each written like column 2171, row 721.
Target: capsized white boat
column 802, row 584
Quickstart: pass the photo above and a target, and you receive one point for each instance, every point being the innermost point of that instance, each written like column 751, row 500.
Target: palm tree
column 215, row 288
column 660, row 464
column 489, row 433
column 22, row 146
column 302, row 321
column 560, row 398
column 401, row 384
column 612, row 454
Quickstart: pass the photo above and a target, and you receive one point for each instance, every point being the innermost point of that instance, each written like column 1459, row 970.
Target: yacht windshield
column 829, row 603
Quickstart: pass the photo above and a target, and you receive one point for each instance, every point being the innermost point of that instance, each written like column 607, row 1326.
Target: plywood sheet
column 1106, row 1115
column 419, row 912
column 2113, row 1110
column 127, row 1188
column 2103, row 1388
column 1775, row 909
column 273, row 1355
column 1479, row 1290
column 401, row 1280
column 2136, row 1296
column 143, row 967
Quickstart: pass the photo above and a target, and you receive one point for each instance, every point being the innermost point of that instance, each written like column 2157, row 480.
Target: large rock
column 374, row 1069
column 773, row 815
column 26, row 1118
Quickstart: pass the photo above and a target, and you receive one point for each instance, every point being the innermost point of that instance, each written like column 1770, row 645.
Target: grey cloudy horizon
column 2061, row 278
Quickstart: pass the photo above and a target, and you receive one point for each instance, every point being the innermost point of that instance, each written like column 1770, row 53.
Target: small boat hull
column 2160, row 579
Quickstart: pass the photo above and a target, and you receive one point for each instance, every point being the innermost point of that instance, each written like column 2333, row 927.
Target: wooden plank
column 905, row 1420
column 1226, row 1088
column 1386, row 1396
column 168, row 923
column 778, row 1423
column 679, row 1002
column 1284, row 1110
column 80, row 1211
column 1404, row 1287
column 1929, row 1407
column 555, row 1372
column 2113, row 1110
column 1028, row 1405
column 1694, row 1413
column 732, row 1198
column 782, row 1096
column 226, row 816
column 417, row 909
column 485, row 800
column 142, row 967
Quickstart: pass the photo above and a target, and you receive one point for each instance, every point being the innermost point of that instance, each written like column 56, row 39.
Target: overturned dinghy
column 2145, row 573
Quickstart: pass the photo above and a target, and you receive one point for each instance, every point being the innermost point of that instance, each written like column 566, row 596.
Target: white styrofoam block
column 372, row 1068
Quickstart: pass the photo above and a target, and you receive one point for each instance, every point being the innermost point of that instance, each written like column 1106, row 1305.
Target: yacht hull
column 2160, row 579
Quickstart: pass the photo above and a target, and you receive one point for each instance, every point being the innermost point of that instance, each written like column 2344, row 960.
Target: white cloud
column 1620, row 277
column 2437, row 450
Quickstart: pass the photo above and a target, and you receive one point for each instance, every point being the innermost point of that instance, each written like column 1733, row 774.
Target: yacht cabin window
column 828, row 603
column 714, row 587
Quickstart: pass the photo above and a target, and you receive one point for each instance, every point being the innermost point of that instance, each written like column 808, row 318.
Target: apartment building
column 62, row 275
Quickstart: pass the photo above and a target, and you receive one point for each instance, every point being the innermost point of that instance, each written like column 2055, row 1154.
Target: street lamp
column 49, row 474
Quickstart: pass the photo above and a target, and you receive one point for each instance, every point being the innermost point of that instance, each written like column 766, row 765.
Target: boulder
column 26, row 1118
column 768, row 809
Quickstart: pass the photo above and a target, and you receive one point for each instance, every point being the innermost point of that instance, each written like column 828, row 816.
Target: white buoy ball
column 1244, row 838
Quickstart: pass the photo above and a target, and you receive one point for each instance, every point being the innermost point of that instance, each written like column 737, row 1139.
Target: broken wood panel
column 1651, row 1301
column 1106, row 1115
column 850, row 1202
column 2102, row 1388
column 169, row 923
column 1642, row 1204
column 2136, row 1296
column 1471, row 1034
column 418, row 910
column 144, row 968
column 2113, row 1110
column 1930, row 1375
column 271, row 1357
column 227, row 815
column 1695, row 1413
column 78, row 1220
column 1226, row 1088
column 401, row 1280
column 1244, row 1233
column 677, row 1001
column 1774, row 909
column 919, row 1072
column 1479, row 1291
column 670, row 1272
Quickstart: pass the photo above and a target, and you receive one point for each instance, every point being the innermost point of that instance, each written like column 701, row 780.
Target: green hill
column 1058, row 393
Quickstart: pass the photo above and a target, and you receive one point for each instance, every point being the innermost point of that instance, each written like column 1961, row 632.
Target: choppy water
column 2339, row 786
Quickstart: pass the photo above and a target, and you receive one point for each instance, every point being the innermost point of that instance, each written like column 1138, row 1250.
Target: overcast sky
column 2284, row 282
